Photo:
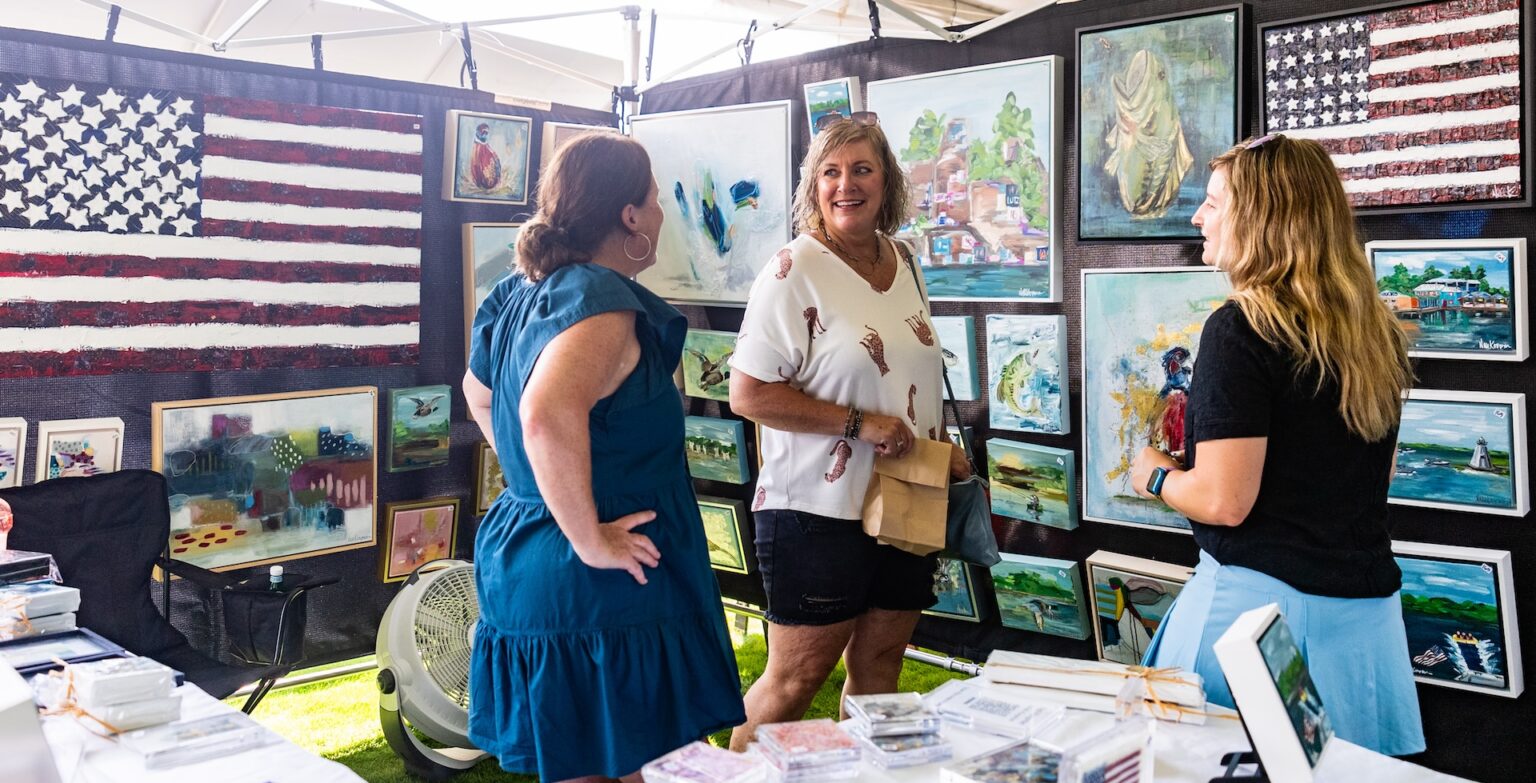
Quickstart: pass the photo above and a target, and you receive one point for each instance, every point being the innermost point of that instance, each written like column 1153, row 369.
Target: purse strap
column 949, row 391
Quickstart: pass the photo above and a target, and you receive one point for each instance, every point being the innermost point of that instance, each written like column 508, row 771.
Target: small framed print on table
column 418, row 532
column 13, row 451
column 486, row 156
column 79, row 447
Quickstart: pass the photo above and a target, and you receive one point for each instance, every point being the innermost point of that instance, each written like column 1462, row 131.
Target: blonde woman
column 1292, row 424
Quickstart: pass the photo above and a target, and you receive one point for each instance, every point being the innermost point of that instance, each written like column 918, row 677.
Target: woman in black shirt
column 1292, row 424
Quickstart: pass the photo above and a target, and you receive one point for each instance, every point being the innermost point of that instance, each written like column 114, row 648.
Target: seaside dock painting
column 1456, row 299
column 1462, row 451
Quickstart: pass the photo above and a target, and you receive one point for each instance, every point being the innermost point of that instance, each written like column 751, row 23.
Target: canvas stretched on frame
column 490, row 255
column 834, row 96
column 727, row 533
column 1027, row 372
column 716, row 449
column 925, row 117
column 957, row 340
column 13, row 451
column 79, row 447
column 955, row 587
column 554, row 134
column 416, row 533
column 706, row 364
column 1033, row 483
column 1128, row 614
column 1193, row 93
column 490, row 482
column 724, row 180
column 1131, row 319
column 1439, row 473
column 468, row 174
column 270, row 477
column 1041, row 594
column 1459, row 611
column 1473, row 329
column 418, row 427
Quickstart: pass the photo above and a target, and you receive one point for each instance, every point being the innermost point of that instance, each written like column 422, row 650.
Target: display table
column 84, row 757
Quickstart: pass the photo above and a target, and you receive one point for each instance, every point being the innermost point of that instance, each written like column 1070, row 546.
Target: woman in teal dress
column 602, row 641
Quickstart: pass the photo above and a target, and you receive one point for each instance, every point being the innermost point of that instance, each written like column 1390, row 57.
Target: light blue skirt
column 1356, row 650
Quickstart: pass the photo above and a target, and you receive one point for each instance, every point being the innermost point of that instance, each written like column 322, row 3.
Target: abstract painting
column 1463, row 451
column 725, row 528
column 485, row 158
column 78, row 447
column 1033, row 483
column 1141, row 334
column 1131, row 595
column 716, row 449
column 13, row 451
column 1026, row 373
column 1041, row 594
column 418, row 427
column 957, row 339
column 490, row 255
column 418, row 532
column 490, row 482
column 1420, row 105
column 724, row 175
column 161, row 231
column 556, row 134
column 1456, row 298
column 982, row 148
column 1459, row 609
column 706, row 364
column 956, row 591
column 270, row 477
column 1157, row 99
column 837, row 96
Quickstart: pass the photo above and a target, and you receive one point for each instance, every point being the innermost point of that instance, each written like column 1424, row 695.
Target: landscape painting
column 490, row 254
column 1456, row 299
column 78, row 447
column 1298, row 693
column 418, row 533
column 13, row 451
column 1157, row 98
column 836, row 97
column 1041, row 594
column 725, row 528
column 981, row 148
column 1463, row 451
column 957, row 341
column 956, row 592
column 418, row 427
column 706, row 364
column 1131, row 595
column 1033, row 483
column 724, row 175
column 1026, row 373
column 490, row 482
column 716, row 449
column 268, row 478
column 1141, row 337
column 486, row 158
column 1459, row 610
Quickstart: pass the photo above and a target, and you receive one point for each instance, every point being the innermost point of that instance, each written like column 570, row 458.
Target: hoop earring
column 642, row 256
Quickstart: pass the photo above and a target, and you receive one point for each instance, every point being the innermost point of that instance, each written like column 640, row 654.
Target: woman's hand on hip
column 889, row 435
column 616, row 546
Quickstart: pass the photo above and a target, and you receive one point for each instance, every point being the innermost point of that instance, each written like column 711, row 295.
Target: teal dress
column 578, row 671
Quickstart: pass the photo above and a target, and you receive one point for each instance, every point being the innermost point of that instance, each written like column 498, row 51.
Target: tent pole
column 1002, row 19
column 632, row 63
column 918, row 19
column 245, row 19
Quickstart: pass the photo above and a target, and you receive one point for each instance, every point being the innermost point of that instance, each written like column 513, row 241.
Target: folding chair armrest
column 198, row 575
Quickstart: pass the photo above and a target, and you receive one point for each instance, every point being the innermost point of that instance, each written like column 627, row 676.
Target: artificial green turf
column 338, row 719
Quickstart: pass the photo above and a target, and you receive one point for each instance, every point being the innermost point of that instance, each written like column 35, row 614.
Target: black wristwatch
column 1155, row 481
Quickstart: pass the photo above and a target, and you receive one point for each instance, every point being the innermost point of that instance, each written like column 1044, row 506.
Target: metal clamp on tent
column 469, row 59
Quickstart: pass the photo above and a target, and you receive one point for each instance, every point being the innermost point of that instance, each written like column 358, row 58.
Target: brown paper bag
column 907, row 503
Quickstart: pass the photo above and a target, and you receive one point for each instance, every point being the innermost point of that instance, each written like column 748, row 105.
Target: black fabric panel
column 343, row 620
column 1470, row 734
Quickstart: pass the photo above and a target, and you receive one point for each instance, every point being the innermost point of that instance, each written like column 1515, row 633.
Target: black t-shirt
column 1320, row 521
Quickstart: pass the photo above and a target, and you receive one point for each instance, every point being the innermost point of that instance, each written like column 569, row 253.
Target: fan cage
column 446, row 612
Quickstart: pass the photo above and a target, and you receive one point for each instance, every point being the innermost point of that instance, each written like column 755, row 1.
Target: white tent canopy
column 573, row 52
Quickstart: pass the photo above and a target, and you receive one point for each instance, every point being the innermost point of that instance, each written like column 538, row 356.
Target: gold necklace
column 874, row 262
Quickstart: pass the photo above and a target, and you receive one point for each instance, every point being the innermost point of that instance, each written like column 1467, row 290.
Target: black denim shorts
column 819, row 570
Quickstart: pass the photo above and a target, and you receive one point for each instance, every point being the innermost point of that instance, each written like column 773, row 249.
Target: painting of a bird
column 711, row 372
column 426, row 406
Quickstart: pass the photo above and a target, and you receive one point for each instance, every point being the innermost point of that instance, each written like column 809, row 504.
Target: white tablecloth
column 84, row 757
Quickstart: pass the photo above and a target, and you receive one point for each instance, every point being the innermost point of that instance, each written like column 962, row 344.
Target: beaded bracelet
column 853, row 424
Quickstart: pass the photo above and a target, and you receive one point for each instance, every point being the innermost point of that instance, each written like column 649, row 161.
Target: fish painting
column 1027, row 364
column 1149, row 156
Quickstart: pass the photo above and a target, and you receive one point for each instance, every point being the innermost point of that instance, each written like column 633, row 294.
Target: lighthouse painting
column 486, row 158
column 1462, row 451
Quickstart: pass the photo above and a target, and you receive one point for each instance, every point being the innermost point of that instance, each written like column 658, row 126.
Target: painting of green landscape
column 1041, row 594
column 716, row 449
column 1033, row 483
column 418, row 427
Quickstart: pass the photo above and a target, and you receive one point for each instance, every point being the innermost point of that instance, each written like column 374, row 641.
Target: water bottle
column 275, row 579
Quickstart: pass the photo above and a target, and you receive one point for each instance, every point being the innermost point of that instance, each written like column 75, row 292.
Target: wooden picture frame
column 1450, row 317
column 486, row 158
column 552, row 134
column 1131, row 596
column 490, row 482
column 423, row 534
column 100, row 449
column 1465, row 475
column 490, row 255
column 1459, row 611
column 13, row 451
column 729, row 535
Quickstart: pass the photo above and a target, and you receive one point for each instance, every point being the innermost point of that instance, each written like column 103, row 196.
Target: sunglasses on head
column 858, row 118
column 1262, row 140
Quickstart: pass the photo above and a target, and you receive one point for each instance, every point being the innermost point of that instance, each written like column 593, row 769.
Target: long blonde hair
column 1301, row 277
column 895, row 199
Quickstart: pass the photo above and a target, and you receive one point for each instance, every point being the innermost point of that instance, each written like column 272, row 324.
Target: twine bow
column 18, row 625
column 70, row 706
column 1147, row 674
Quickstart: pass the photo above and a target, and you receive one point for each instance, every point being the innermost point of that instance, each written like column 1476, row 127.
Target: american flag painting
column 1418, row 105
column 154, row 231
column 1126, row 769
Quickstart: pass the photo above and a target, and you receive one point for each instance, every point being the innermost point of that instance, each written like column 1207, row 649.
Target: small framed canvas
column 1462, row 451
column 36, row 654
column 1041, row 594
column 485, row 158
column 418, row 427
column 726, row 530
column 558, row 133
column 1026, row 373
column 835, row 96
column 1033, row 483
column 490, row 255
column 716, row 449
column 13, row 451
column 1274, row 692
column 956, row 591
column 489, row 480
column 1459, row 610
column 1456, row 298
column 957, row 340
column 1131, row 595
column 418, row 532
column 706, row 364
column 78, row 447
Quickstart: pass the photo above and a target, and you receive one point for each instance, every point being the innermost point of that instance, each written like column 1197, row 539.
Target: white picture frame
column 1487, row 320
column 1420, row 479
column 107, row 459
column 13, row 451
column 847, row 87
column 1461, row 574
